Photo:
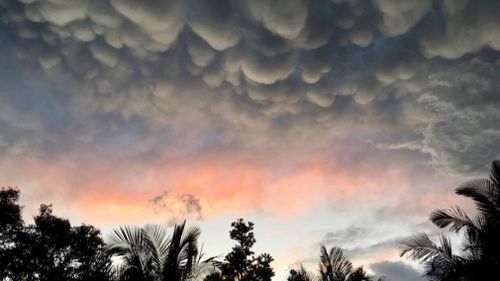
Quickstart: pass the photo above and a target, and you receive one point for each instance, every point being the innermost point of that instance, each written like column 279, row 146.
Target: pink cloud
column 102, row 190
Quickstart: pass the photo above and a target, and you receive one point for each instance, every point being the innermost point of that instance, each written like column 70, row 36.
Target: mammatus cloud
column 399, row 16
column 470, row 26
column 267, row 66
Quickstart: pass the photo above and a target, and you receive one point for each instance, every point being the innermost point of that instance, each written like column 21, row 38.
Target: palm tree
column 481, row 247
column 335, row 266
column 150, row 254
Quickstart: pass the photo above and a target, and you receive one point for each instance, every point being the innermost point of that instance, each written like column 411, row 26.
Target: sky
column 335, row 122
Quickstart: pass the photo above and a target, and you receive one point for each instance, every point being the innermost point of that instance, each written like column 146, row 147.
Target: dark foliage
column 51, row 249
column 301, row 274
column 10, row 211
column 241, row 264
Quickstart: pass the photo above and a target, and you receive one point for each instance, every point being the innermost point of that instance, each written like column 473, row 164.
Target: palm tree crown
column 151, row 254
column 335, row 266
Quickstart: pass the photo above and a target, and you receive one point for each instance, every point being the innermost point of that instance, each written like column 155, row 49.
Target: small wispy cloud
column 177, row 207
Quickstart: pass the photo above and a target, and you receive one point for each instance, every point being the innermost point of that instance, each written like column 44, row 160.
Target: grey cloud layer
column 415, row 75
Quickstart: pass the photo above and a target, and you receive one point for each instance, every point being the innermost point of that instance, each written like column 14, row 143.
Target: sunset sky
column 336, row 122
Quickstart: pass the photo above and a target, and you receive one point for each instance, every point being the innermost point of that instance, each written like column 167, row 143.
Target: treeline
column 52, row 249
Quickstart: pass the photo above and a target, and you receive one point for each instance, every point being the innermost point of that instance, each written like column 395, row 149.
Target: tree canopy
column 241, row 264
column 50, row 249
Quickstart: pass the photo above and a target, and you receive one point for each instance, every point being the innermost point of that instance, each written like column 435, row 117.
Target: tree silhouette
column 359, row 274
column 51, row 249
column 480, row 259
column 335, row 266
column 10, row 211
column 241, row 264
column 150, row 254
column 301, row 274
column 11, row 233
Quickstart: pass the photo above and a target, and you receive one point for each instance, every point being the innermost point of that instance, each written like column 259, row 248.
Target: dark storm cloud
column 422, row 72
column 396, row 271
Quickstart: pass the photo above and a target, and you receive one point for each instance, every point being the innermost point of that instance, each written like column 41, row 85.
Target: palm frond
column 125, row 240
column 445, row 246
column 191, row 256
column 156, row 240
column 325, row 268
column 495, row 173
column 182, row 253
column 188, row 244
column 130, row 244
column 420, row 247
column 334, row 264
column 455, row 217
column 484, row 194
column 190, row 236
column 341, row 265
